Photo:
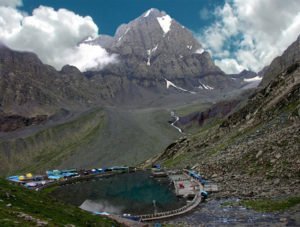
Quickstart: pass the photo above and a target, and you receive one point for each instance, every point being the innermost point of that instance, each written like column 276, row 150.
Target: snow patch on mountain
column 155, row 48
column 165, row 23
column 199, row 51
column 149, row 60
column 169, row 83
column 121, row 37
column 257, row 78
column 206, row 87
column 189, row 46
column 148, row 12
column 90, row 38
column 149, row 52
column 127, row 30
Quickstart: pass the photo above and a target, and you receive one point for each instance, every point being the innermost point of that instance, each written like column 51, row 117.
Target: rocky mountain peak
column 157, row 46
column 14, row 60
column 70, row 70
column 154, row 48
column 153, row 29
column 153, row 12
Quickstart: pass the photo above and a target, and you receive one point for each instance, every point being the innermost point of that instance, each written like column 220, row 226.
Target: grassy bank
column 22, row 207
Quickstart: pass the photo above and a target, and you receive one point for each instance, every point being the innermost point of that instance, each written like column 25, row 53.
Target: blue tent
column 197, row 176
column 157, row 166
column 14, row 178
column 55, row 177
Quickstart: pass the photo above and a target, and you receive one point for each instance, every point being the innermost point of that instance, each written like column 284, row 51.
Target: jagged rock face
column 217, row 111
column 247, row 79
column 245, row 74
column 279, row 64
column 29, row 88
column 13, row 122
column 155, row 47
column 103, row 40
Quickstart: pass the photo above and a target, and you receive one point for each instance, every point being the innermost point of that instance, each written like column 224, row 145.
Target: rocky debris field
column 228, row 212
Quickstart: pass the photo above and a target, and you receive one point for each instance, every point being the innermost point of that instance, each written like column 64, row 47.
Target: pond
column 133, row 193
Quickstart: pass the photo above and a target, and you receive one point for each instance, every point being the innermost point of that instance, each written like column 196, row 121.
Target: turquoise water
column 134, row 193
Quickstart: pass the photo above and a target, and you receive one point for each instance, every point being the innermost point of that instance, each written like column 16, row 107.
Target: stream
column 174, row 122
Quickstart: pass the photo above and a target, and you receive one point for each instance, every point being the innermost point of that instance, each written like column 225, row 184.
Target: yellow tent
column 29, row 175
column 21, row 178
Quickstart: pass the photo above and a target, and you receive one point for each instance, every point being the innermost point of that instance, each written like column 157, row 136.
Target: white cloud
column 229, row 65
column 250, row 34
column 91, row 57
column 11, row 3
column 213, row 40
column 9, row 22
column 54, row 36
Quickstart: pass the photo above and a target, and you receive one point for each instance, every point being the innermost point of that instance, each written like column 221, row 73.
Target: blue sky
column 239, row 34
column 109, row 14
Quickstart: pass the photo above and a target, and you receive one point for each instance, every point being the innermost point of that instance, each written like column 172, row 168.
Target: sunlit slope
column 22, row 207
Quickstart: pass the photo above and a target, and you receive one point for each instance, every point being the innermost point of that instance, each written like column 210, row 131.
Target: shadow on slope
column 95, row 138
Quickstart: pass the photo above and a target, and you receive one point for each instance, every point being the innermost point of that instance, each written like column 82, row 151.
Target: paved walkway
column 190, row 206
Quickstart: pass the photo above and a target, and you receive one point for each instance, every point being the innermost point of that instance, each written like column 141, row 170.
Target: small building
column 54, row 174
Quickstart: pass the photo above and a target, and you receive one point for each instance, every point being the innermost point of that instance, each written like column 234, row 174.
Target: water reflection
column 100, row 206
column 132, row 193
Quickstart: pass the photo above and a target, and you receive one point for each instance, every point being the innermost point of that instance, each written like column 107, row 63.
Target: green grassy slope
column 22, row 207
column 191, row 108
column 99, row 137
column 47, row 147
column 128, row 137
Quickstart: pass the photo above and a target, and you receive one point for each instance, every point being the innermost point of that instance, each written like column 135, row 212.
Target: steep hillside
column 281, row 63
column 255, row 150
column 212, row 113
column 21, row 207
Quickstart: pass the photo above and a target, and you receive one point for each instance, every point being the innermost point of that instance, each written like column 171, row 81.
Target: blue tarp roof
column 55, row 177
column 118, row 167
